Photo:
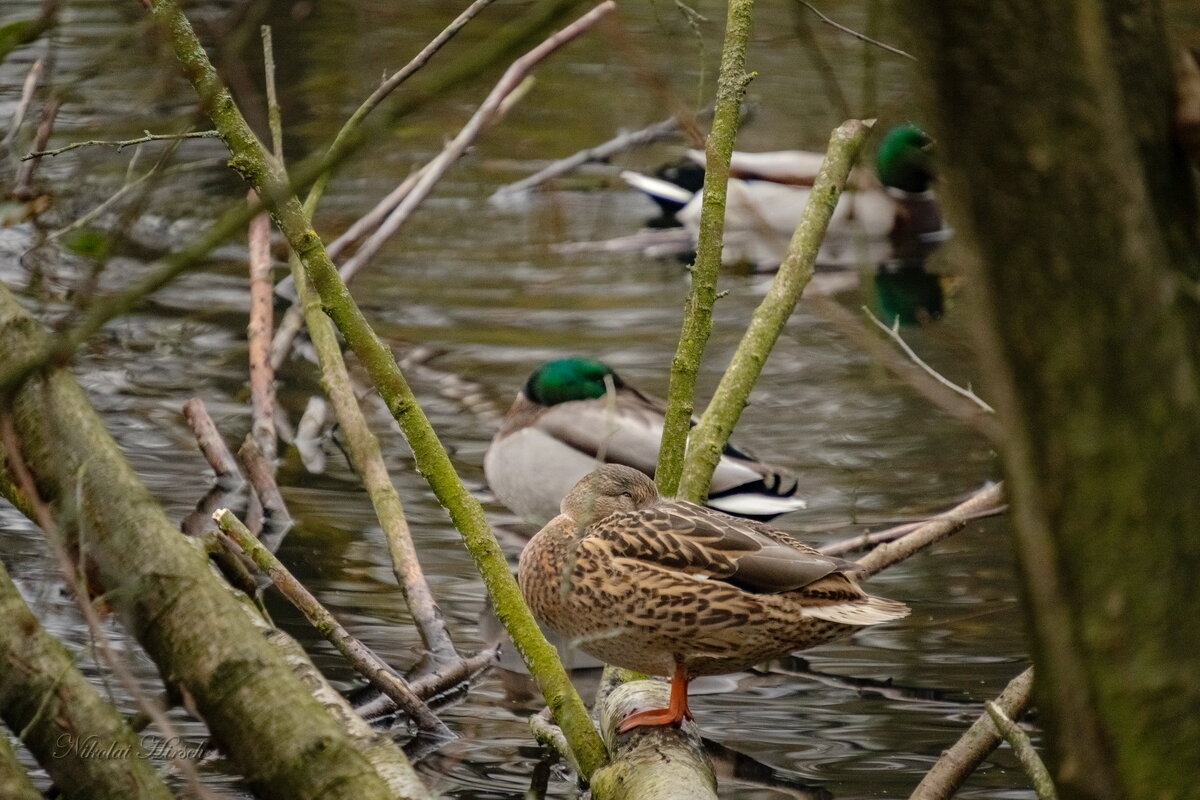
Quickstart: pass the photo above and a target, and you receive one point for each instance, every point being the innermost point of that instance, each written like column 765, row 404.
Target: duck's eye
column 627, row 494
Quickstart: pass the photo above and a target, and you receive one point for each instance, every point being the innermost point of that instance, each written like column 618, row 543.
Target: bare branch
column 123, row 143
column 212, row 446
column 855, row 33
column 369, row 665
column 865, row 540
column 601, row 152
column 941, row 526
column 894, row 333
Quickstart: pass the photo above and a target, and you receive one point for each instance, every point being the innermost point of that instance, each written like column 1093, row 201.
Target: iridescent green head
column 569, row 379
column 903, row 159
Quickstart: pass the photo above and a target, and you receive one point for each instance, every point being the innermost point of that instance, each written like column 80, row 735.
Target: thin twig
column 601, row 152
column 23, row 187
column 941, row 526
column 274, row 118
column 894, row 333
column 855, row 33
column 812, row 48
column 465, row 670
column 369, row 665
column 934, row 391
column 435, row 687
column 957, row 763
column 123, row 143
column 159, row 168
column 262, row 376
column 389, row 85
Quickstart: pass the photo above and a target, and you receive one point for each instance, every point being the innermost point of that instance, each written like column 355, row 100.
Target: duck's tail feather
column 756, row 505
column 869, row 610
column 768, row 493
column 656, row 187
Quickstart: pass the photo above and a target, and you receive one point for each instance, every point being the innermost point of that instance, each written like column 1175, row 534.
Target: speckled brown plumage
column 669, row 587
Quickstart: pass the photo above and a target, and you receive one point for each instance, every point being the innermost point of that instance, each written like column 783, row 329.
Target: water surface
column 484, row 286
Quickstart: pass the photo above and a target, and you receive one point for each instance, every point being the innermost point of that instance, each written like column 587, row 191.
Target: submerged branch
column 660, row 130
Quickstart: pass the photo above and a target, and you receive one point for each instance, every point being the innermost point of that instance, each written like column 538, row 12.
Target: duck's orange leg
column 674, row 714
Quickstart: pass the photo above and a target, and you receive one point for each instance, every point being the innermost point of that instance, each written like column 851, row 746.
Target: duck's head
column 904, row 160
column 607, row 490
column 570, row 379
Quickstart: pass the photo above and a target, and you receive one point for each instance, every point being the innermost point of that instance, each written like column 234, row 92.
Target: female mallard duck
column 890, row 215
column 575, row 414
column 668, row 587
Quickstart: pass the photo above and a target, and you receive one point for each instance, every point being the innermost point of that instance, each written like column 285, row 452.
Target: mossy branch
column 708, row 438
column 432, row 460
column 697, row 313
column 1025, row 752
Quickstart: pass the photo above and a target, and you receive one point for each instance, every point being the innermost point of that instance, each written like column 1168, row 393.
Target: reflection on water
column 483, row 285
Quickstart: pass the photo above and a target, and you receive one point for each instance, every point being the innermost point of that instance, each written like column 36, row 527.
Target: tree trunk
column 1075, row 213
column 79, row 739
column 169, row 597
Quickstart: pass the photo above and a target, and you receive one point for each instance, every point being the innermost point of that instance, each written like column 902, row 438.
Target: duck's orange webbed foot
column 673, row 714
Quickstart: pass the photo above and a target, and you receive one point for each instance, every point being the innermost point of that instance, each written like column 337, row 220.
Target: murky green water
column 484, row 286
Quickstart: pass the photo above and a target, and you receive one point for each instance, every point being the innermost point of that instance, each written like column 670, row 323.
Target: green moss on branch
column 697, row 314
column 710, row 435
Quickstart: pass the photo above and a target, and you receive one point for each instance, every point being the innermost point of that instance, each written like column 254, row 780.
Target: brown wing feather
column 698, row 541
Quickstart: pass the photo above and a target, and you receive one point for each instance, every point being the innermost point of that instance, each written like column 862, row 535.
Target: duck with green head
column 577, row 413
column 890, row 214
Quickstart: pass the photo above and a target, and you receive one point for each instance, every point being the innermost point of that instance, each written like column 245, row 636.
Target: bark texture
column 169, row 598
column 79, row 739
column 1076, row 213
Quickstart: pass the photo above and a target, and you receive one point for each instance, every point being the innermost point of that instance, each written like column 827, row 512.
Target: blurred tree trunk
column 1076, row 214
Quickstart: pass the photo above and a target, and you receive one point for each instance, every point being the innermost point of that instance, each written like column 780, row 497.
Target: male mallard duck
column 575, row 414
column 668, row 587
column 892, row 214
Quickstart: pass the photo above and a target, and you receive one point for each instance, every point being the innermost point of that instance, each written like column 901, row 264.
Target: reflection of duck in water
column 574, row 414
column 905, row 291
column 891, row 214
column 669, row 587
